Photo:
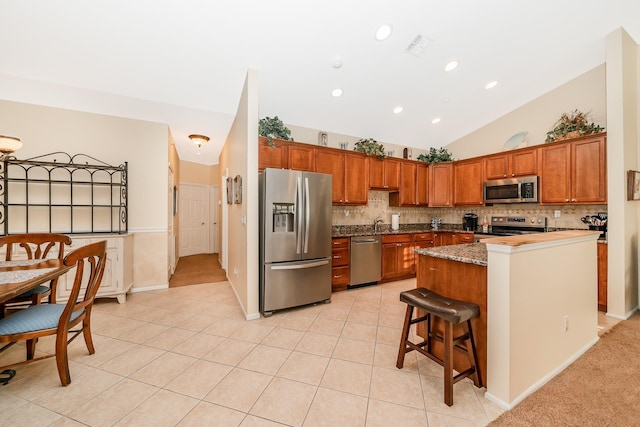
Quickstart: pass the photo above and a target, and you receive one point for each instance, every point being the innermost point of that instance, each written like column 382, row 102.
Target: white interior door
column 194, row 219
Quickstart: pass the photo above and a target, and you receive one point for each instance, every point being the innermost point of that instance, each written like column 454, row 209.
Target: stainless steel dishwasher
column 366, row 260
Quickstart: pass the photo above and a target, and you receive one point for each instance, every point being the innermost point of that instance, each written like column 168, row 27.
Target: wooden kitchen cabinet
column 332, row 162
column 603, row 253
column 301, row 158
column 423, row 240
column 356, row 185
column 406, row 196
column 462, row 238
column 340, row 263
column 467, row 183
column 384, row 174
column 397, row 256
column 422, row 184
column 441, row 184
column 347, row 171
column 443, row 238
column 574, row 172
column 272, row 157
column 523, row 162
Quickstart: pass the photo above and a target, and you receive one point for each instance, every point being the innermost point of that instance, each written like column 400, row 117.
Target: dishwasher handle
column 365, row 241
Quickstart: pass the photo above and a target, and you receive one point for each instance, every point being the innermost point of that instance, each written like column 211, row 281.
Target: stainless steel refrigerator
column 295, row 239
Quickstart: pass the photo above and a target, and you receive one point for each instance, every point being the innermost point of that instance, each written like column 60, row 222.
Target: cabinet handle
column 346, row 201
column 573, row 200
column 566, row 200
column 338, row 276
column 337, row 257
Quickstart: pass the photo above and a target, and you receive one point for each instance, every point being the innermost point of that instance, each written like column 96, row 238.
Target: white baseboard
column 149, row 288
column 542, row 381
column 252, row 316
column 625, row 316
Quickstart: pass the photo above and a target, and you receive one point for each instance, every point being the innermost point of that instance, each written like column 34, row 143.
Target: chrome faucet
column 376, row 224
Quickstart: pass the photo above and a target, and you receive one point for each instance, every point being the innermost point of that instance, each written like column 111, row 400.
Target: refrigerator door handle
column 298, row 214
column 299, row 266
column 307, row 210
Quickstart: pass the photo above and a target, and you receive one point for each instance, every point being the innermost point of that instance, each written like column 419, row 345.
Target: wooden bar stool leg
column 405, row 336
column 448, row 363
column 473, row 356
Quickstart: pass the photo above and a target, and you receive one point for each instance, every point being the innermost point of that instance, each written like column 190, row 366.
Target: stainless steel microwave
column 512, row 190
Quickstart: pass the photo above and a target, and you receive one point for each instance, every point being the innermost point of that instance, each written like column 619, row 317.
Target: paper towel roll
column 395, row 221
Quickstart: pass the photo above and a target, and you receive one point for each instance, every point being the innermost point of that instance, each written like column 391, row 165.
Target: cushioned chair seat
column 40, row 289
column 34, row 318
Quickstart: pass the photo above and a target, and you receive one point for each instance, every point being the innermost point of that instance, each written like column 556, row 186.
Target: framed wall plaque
column 633, row 185
column 237, row 189
column 229, row 190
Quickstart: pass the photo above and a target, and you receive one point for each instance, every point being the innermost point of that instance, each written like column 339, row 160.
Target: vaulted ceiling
column 184, row 62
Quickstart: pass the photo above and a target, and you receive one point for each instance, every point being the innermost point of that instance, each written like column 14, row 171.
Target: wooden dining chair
column 34, row 246
column 57, row 319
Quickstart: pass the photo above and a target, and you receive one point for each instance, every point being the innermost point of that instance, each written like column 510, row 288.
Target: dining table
column 19, row 276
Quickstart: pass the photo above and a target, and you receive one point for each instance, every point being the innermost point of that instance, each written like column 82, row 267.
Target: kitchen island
column 458, row 272
column 538, row 304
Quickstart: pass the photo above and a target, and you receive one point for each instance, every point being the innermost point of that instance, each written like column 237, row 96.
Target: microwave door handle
column 307, row 213
column 298, row 214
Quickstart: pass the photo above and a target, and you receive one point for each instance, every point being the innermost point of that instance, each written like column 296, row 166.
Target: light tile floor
column 186, row 356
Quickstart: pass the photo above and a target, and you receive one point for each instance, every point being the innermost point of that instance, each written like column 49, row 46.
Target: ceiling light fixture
column 436, row 121
column 491, row 85
column 199, row 140
column 451, row 66
column 8, row 144
column 383, row 32
column 336, row 93
column 398, row 109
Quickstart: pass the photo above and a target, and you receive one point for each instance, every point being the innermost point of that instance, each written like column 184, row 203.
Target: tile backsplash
column 379, row 207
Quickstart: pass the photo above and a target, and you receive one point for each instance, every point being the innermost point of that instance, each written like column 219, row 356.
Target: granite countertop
column 470, row 253
column 367, row 230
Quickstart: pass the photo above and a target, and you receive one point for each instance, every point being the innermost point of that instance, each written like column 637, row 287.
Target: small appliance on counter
column 435, row 223
column 469, row 222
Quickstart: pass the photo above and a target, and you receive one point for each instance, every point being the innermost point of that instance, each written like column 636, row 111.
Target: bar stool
column 452, row 312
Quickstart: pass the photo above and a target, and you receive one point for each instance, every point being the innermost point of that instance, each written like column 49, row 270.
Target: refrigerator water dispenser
column 283, row 217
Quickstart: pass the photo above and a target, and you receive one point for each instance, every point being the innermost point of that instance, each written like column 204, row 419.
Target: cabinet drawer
column 340, row 275
column 464, row 237
column 339, row 256
column 397, row 238
column 340, row 242
column 421, row 237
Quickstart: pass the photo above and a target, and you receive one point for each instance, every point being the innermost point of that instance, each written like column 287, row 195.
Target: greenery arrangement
column 370, row 147
column 571, row 125
column 273, row 128
column 436, row 156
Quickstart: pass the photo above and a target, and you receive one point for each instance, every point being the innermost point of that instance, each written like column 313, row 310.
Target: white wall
column 622, row 155
column 113, row 140
column 240, row 157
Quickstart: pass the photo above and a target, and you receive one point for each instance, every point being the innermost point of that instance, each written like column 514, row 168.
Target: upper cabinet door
column 384, row 174
column 271, row 157
column 523, row 162
column 555, row 182
column 467, row 183
column 332, row 162
column 422, row 184
column 301, row 158
column 356, row 186
column 440, row 184
column 589, row 171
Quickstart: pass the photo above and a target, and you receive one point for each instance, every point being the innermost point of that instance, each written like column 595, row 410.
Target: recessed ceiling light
column 445, row 100
column 436, row 120
column 451, row 66
column 336, row 62
column 491, row 85
column 336, row 93
column 398, row 109
column 383, row 32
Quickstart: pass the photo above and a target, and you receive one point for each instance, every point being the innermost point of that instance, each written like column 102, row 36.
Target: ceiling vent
column 418, row 45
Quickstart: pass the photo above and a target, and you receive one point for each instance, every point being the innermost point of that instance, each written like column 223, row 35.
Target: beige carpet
column 197, row 269
column 602, row 388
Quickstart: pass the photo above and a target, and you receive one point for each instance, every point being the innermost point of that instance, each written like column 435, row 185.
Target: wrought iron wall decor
column 60, row 193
